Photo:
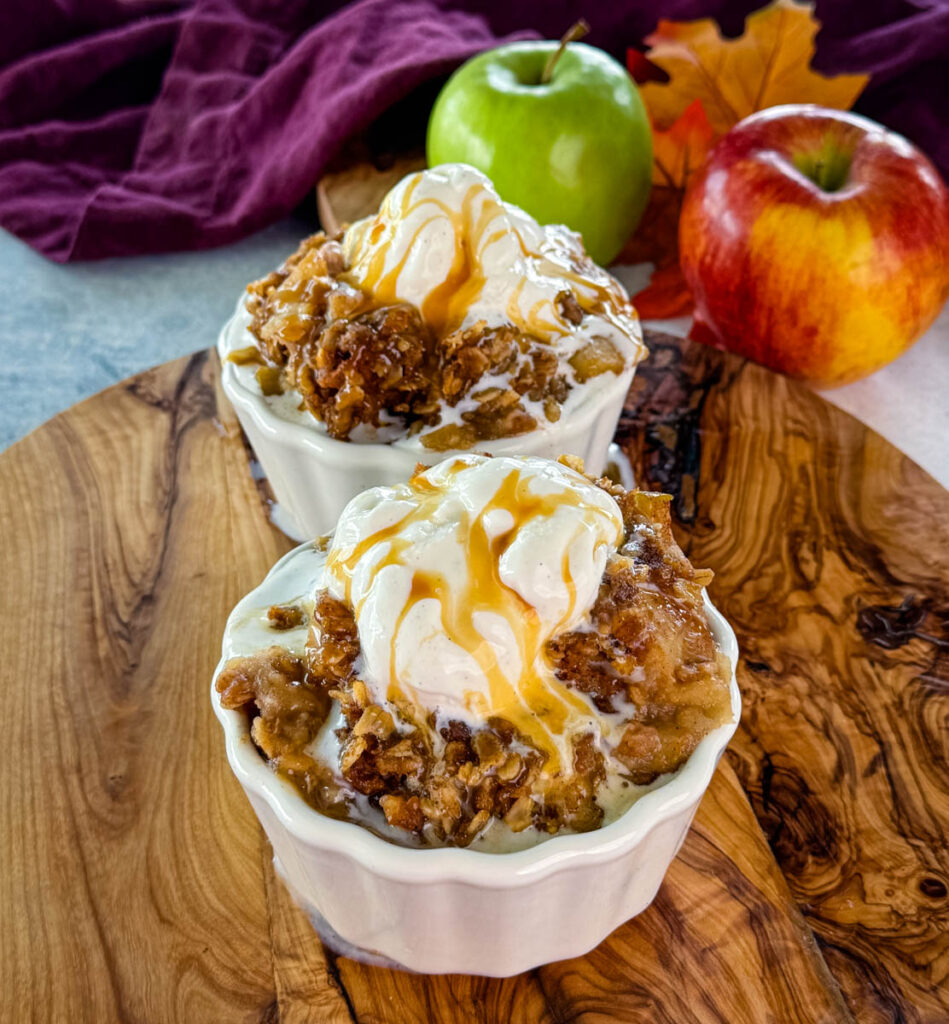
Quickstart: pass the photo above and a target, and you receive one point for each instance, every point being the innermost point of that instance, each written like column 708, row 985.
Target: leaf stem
column 576, row 31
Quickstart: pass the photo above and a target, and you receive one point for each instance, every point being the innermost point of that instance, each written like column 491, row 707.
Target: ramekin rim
column 477, row 867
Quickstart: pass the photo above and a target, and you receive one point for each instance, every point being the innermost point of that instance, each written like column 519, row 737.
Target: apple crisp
column 644, row 658
column 354, row 362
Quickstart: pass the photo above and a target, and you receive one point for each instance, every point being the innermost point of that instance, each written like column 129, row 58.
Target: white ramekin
column 464, row 911
column 313, row 476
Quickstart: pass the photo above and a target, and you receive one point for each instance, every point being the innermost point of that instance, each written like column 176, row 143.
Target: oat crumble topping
column 355, row 363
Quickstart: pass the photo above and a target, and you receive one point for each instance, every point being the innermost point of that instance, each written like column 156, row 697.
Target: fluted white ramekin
column 465, row 911
column 313, row 476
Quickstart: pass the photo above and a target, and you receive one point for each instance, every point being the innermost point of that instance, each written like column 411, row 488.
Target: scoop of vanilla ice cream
column 445, row 242
column 459, row 577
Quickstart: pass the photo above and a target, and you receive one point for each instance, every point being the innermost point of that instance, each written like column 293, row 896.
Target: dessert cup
column 448, row 321
column 458, row 910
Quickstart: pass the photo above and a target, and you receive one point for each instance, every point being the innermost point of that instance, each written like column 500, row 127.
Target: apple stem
column 576, row 31
column 828, row 167
column 820, row 175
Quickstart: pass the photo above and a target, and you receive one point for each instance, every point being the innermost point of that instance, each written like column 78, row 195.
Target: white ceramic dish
column 313, row 476
column 463, row 911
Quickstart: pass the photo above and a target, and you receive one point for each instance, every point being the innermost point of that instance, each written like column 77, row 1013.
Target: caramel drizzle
column 537, row 704
column 446, row 306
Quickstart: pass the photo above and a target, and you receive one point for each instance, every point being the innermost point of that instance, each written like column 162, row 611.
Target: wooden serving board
column 136, row 885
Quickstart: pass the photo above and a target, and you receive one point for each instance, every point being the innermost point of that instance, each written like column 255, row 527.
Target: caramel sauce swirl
column 482, row 612
column 444, row 241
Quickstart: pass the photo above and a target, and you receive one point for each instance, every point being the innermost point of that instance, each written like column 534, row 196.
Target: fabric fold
column 129, row 127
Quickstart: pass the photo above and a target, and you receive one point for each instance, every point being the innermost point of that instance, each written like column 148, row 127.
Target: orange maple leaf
column 667, row 295
column 681, row 148
column 767, row 65
column 677, row 152
column 696, row 85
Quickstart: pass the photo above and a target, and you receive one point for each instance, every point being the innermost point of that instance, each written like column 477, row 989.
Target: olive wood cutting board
column 137, row 886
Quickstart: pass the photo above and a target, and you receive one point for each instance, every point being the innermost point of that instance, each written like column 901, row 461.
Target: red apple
column 815, row 242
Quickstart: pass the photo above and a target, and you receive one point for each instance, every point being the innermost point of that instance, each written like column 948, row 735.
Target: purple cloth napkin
column 131, row 126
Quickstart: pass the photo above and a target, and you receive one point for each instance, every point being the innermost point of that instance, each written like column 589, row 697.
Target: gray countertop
column 69, row 331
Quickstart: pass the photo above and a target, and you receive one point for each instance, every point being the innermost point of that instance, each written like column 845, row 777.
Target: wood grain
column 136, row 884
column 132, row 880
column 831, row 551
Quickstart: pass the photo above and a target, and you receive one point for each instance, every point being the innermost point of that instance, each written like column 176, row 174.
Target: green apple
column 574, row 150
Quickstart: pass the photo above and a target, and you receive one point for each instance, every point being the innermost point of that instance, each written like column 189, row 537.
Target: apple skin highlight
column 823, row 285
